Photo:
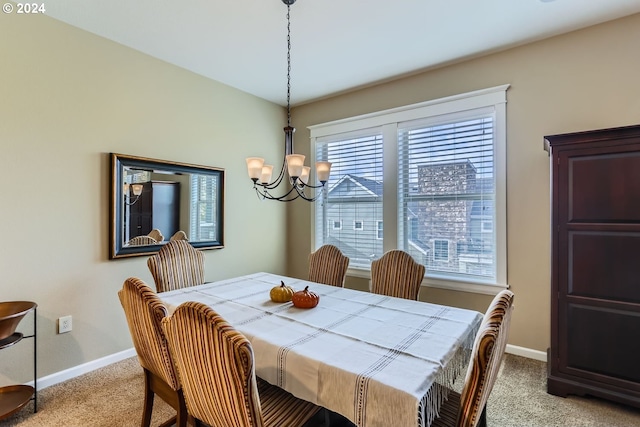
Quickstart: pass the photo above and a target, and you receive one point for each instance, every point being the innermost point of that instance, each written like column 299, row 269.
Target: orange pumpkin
column 282, row 293
column 305, row 298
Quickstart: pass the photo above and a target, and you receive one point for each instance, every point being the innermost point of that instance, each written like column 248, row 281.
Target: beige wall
column 584, row 80
column 67, row 99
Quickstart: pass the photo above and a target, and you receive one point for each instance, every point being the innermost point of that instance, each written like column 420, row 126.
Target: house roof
column 368, row 187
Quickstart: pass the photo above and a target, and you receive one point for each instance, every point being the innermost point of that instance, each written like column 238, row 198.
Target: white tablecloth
column 371, row 358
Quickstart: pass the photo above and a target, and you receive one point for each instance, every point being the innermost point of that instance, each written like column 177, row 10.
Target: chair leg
column 482, row 422
column 169, row 423
column 182, row 415
column 148, row 400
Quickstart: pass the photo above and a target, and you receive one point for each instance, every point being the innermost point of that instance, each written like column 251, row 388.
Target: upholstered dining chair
column 468, row 409
column 177, row 265
column 215, row 363
column 179, row 235
column 156, row 234
column 396, row 274
column 328, row 265
column 142, row 241
column 144, row 311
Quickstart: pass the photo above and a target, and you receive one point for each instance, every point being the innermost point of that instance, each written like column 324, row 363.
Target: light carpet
column 112, row 397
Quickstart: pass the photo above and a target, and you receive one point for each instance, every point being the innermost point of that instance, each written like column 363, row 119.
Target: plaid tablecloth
column 375, row 359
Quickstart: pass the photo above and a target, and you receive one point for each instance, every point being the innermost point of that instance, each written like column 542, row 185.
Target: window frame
column 493, row 98
column 355, row 227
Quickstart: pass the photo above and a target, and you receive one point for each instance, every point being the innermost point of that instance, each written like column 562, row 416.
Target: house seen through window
column 444, row 161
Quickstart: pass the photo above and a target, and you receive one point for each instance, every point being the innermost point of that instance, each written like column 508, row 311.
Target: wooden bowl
column 11, row 313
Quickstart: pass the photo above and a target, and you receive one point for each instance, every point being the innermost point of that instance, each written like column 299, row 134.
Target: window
column 204, row 208
column 337, row 225
column 444, row 162
column 440, row 251
column 447, row 188
column 354, row 194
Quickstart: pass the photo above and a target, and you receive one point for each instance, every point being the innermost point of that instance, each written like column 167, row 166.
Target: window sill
column 452, row 285
column 476, row 288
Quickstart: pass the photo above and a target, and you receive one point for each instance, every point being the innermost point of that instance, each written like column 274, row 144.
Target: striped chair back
column 156, row 235
column 216, row 367
column 142, row 241
column 179, row 235
column 177, row 265
column 486, row 357
column 144, row 312
column 396, row 274
column 215, row 363
column 468, row 409
column 328, row 265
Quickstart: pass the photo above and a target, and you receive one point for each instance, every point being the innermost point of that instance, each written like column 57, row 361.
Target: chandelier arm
column 284, row 198
column 299, row 193
column 273, row 184
column 134, row 202
column 302, row 195
column 313, row 186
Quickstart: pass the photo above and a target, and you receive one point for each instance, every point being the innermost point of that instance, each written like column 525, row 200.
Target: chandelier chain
column 298, row 179
column 288, row 65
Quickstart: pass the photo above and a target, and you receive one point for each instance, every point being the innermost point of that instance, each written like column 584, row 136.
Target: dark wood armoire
column 595, row 274
column 158, row 207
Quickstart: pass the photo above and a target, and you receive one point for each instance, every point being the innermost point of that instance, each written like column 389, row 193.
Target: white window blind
column 444, row 165
column 204, row 194
column 354, row 195
column 447, row 191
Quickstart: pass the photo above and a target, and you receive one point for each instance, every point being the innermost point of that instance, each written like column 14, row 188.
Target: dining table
column 377, row 360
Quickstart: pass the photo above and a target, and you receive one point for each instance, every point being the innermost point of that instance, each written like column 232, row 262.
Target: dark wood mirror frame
column 210, row 183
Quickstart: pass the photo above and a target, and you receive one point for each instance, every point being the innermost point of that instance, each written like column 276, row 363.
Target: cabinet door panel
column 603, row 341
column 604, row 265
column 600, row 187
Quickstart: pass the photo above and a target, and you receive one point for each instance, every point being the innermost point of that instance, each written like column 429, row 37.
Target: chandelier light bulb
column 254, row 167
column 265, row 176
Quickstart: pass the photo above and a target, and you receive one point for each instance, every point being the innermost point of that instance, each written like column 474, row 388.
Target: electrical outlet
column 64, row 324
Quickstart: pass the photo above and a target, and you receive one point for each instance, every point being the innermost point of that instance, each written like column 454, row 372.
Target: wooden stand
column 15, row 397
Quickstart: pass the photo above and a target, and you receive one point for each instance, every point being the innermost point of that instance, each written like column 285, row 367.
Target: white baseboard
column 526, row 352
column 76, row 371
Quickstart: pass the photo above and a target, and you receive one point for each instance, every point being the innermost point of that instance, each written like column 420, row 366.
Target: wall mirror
column 154, row 201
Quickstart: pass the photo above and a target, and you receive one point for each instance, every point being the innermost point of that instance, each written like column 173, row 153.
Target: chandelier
column 136, row 189
column 292, row 164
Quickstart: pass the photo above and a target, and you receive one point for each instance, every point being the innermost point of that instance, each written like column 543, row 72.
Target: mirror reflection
column 155, row 201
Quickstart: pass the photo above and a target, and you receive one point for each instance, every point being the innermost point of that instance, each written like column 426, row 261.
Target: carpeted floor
column 112, row 397
column 519, row 399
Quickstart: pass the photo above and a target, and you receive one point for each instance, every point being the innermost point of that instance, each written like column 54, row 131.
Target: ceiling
column 336, row 45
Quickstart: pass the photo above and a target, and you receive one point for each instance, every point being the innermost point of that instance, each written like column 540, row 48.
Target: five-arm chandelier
column 293, row 164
